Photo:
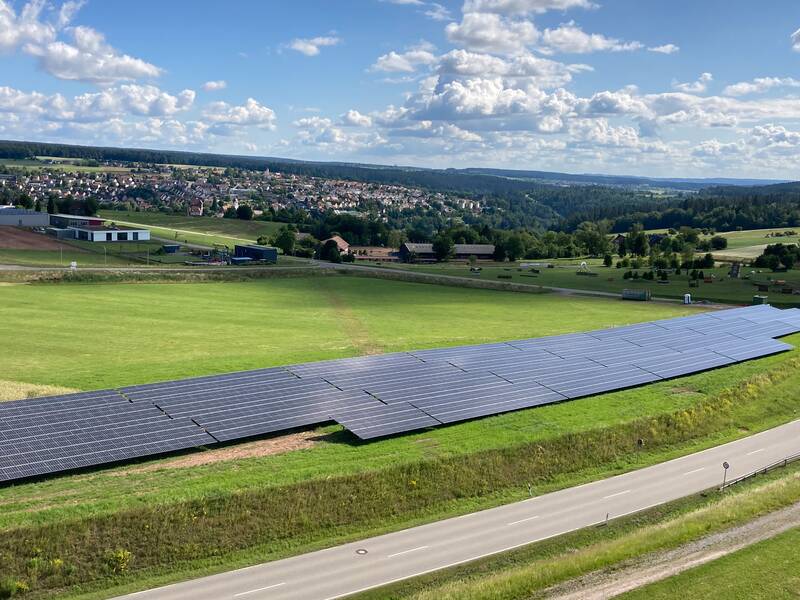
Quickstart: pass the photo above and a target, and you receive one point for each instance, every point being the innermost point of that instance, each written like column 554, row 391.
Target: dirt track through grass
column 651, row 568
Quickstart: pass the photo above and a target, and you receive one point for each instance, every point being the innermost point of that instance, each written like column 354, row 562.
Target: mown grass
column 529, row 572
column 195, row 230
column 223, row 528
column 767, row 570
column 155, row 332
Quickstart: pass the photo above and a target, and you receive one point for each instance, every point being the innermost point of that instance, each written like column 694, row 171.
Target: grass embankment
column 528, row 572
column 195, row 230
column 610, row 280
column 769, row 570
column 180, row 533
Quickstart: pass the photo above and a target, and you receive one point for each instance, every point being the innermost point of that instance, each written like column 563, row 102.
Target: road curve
column 350, row 568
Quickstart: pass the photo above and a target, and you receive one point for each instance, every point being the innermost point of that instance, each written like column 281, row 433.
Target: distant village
column 206, row 191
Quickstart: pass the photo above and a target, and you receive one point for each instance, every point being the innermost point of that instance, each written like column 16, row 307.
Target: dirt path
column 655, row 567
column 352, row 326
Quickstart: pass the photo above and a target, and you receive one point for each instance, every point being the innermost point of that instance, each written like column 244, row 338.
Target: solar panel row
column 376, row 396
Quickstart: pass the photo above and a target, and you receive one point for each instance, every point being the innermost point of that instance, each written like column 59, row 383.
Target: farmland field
column 191, row 329
column 196, row 230
column 212, row 328
column 610, row 279
column 61, row 166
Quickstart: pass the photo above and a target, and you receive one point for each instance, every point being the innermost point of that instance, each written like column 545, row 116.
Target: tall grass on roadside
column 282, row 518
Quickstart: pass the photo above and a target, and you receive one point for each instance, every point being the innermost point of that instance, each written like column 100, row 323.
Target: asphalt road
column 354, row 567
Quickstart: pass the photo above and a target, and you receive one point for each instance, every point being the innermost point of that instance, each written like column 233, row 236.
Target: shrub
column 118, row 561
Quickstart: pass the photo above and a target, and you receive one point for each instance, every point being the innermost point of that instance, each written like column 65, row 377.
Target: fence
column 762, row 471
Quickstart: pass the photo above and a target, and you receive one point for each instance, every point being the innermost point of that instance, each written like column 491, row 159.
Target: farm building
column 20, row 217
column 424, row 252
column 93, row 229
column 254, row 252
column 341, row 243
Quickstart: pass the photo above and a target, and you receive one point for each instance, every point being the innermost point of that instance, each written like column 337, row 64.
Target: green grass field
column 769, row 570
column 63, row 166
column 609, row 279
column 198, row 329
column 195, row 230
column 164, row 331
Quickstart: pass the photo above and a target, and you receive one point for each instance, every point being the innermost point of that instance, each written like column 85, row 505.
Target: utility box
column 759, row 300
column 639, row 295
column 687, row 298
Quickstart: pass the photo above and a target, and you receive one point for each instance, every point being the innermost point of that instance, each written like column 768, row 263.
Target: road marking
column 523, row 520
column 407, row 551
column 695, row 471
column 755, row 451
column 617, row 494
column 269, row 587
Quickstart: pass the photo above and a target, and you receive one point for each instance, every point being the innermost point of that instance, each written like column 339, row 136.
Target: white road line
column 695, row 471
column 407, row 551
column 617, row 494
column 756, row 451
column 269, row 587
column 524, row 520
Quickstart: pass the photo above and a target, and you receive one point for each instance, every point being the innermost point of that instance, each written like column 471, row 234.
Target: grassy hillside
column 196, row 230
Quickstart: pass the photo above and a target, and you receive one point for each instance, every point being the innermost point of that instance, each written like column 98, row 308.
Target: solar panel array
column 375, row 396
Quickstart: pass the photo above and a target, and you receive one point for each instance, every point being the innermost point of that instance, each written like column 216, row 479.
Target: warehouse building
column 21, row 217
column 253, row 252
column 424, row 252
column 93, row 229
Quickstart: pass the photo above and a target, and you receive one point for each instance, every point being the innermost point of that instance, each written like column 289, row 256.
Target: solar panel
column 376, row 396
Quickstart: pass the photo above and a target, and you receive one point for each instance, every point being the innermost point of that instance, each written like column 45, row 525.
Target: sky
column 676, row 88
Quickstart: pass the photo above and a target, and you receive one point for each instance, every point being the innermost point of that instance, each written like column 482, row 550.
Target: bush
column 118, row 561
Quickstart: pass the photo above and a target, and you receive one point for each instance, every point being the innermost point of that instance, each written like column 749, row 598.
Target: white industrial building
column 93, row 229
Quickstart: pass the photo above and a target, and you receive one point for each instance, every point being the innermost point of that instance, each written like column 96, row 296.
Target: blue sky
column 656, row 87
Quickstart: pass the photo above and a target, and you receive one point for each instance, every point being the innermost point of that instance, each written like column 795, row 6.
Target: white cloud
column 491, row 32
column 759, row 85
column 795, row 37
column 228, row 118
column 523, row 6
column 571, row 39
column 311, row 46
column 130, row 99
column 89, row 59
column 694, row 87
column 405, row 62
column 25, row 27
column 665, row 49
column 353, row 118
column 213, row 86
column 437, row 12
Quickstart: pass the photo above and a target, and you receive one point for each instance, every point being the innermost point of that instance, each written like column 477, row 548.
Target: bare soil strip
column 276, row 445
column 12, row 238
column 600, row 585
